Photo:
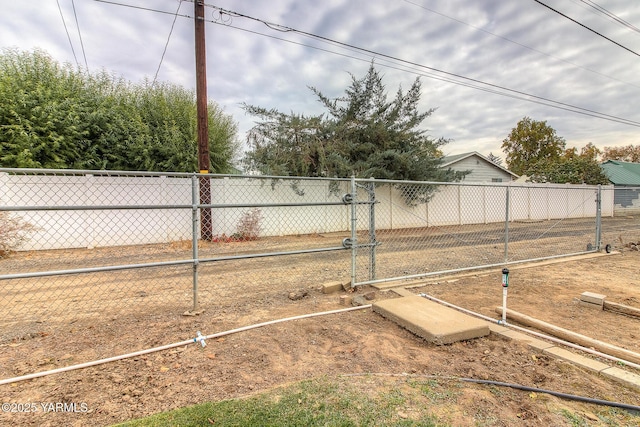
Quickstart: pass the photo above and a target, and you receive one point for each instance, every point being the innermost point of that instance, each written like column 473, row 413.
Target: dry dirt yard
column 355, row 342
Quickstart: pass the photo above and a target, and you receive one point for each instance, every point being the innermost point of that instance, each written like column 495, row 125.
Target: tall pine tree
column 362, row 133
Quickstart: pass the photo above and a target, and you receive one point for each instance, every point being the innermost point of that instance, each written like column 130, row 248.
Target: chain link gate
column 415, row 229
column 621, row 231
column 363, row 242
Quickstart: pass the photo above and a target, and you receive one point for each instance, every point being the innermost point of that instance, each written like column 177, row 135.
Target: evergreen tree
column 362, row 133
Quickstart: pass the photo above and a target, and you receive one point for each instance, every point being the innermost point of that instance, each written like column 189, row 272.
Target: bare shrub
column 14, row 231
column 249, row 225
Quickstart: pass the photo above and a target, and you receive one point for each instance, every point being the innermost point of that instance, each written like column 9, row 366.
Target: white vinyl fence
column 483, row 204
column 158, row 209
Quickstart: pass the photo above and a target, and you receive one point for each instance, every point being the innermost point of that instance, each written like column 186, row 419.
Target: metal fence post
column 598, row 217
column 194, row 238
column 506, row 225
column 372, row 230
column 354, row 231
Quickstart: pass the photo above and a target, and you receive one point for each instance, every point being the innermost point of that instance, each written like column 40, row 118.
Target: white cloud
column 259, row 70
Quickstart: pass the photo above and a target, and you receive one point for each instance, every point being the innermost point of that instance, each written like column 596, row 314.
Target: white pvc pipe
column 199, row 339
column 504, row 305
column 537, row 334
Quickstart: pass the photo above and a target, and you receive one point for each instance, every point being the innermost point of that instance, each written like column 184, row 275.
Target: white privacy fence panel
column 73, row 213
column 142, row 230
column 454, row 204
column 286, row 220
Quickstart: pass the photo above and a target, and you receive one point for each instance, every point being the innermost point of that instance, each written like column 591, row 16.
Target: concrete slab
column 432, row 321
column 625, row 377
column 402, row 292
column 532, row 342
column 576, row 359
column 498, row 329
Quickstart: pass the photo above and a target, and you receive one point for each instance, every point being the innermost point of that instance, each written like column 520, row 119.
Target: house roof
column 447, row 161
column 622, row 173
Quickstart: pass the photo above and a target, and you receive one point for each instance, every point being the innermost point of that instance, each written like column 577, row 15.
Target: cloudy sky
column 484, row 64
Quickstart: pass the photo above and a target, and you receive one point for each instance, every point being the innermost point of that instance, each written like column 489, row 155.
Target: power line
column 79, row 34
column 518, row 43
column 611, row 15
column 441, row 78
column 584, row 26
column 466, row 81
column 68, row 36
column 499, row 89
column 148, row 9
column 175, row 17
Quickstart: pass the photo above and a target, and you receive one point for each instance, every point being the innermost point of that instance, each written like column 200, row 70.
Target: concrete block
column 593, row 298
column 346, row 300
column 532, row 342
column 403, row 292
column 497, row 329
column 537, row 344
column 622, row 376
column 584, row 362
column 590, row 305
column 429, row 320
column 331, row 287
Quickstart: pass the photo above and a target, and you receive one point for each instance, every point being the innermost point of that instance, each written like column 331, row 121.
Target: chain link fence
column 99, row 244
column 95, row 243
column 430, row 228
column 622, row 231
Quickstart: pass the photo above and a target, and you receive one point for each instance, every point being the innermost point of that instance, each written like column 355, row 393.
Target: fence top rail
column 62, row 172
column 511, row 184
column 624, row 187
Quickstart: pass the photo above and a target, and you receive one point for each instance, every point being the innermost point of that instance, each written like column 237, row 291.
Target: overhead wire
column 448, row 76
column 148, row 9
column 166, row 45
column 80, row 35
column 498, row 88
column 68, row 35
column 430, row 75
column 584, row 26
column 610, row 15
column 518, row 43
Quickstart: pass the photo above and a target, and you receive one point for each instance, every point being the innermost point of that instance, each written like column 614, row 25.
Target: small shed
column 625, row 176
column 481, row 168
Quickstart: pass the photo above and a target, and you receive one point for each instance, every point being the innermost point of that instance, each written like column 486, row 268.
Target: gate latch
column 348, row 243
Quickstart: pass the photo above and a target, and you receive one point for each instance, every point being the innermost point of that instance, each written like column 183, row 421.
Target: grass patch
column 575, row 419
column 317, row 402
column 375, row 400
column 435, row 391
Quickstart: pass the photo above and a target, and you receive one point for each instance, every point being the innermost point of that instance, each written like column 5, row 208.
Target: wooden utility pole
column 206, row 232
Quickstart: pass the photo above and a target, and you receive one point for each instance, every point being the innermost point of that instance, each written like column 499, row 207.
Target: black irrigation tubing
column 515, row 386
column 556, row 393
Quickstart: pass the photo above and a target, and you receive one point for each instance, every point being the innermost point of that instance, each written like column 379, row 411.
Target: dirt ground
column 355, row 342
